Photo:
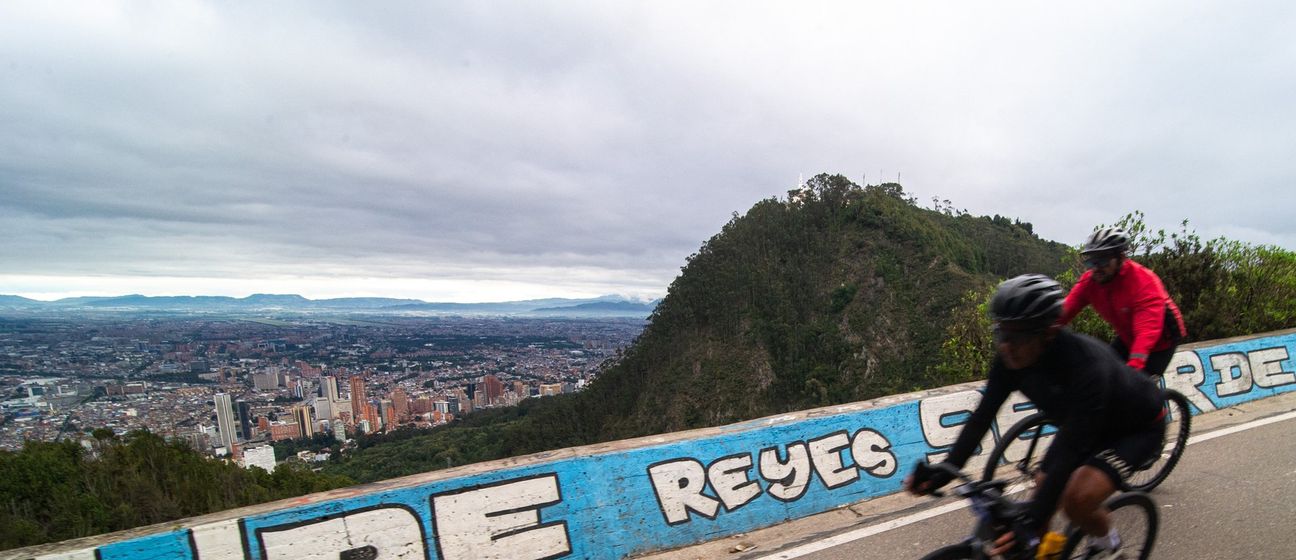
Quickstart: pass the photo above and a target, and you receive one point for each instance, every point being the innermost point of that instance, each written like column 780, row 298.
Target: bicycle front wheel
column 1178, row 427
column 1135, row 518
column 1020, row 450
column 961, row 551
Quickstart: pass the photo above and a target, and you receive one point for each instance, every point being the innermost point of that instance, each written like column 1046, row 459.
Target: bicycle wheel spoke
column 1134, row 517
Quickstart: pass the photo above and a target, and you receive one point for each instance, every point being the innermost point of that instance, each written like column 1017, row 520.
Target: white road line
column 864, row 532
column 1240, row 427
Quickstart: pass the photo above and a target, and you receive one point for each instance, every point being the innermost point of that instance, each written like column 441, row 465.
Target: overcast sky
column 487, row 151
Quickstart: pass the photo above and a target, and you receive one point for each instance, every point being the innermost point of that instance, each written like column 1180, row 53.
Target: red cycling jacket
column 1134, row 303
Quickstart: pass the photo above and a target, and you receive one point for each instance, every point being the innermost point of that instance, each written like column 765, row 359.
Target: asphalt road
column 1232, row 496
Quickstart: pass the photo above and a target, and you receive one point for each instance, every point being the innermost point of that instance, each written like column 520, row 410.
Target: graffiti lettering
column 1235, row 373
column 1266, row 366
column 825, row 455
column 788, row 479
column 381, row 533
column 872, row 453
column 729, row 477
column 500, row 521
column 680, row 484
column 1186, row 375
column 1262, row 368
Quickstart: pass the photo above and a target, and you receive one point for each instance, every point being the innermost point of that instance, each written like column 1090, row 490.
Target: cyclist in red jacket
column 1131, row 298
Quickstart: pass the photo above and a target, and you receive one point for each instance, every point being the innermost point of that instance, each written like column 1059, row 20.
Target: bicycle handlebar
column 989, row 503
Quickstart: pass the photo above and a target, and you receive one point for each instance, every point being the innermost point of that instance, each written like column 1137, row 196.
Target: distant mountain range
column 604, row 306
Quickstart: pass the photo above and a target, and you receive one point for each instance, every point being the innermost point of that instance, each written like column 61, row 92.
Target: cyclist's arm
column 996, row 392
column 1076, row 299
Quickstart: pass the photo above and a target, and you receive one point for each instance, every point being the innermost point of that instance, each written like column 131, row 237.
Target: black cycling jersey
column 1082, row 385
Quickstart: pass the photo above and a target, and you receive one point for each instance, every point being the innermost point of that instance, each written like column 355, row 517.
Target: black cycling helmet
column 1033, row 299
column 1106, row 239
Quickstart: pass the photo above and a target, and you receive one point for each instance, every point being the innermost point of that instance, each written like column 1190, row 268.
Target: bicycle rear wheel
column 1178, row 427
column 1135, row 518
column 1018, row 454
column 961, row 551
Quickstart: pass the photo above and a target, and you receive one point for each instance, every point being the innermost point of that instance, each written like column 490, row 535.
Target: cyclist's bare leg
column 1083, row 500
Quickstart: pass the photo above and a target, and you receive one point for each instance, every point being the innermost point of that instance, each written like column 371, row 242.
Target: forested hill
column 836, row 294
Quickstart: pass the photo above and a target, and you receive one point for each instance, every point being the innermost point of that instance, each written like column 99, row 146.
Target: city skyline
column 221, row 383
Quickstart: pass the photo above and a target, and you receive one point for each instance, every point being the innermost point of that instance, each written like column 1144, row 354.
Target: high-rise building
column 323, row 408
column 372, row 418
column 305, row 428
column 494, row 389
column 245, row 420
column 357, row 398
column 225, row 420
column 329, row 388
column 400, row 403
column 388, row 412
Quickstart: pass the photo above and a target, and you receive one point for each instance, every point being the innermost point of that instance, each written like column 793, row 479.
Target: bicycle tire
column 1022, row 447
column 1178, row 428
column 1135, row 518
column 962, row 551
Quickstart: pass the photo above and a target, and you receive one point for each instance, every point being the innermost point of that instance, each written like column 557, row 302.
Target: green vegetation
column 62, row 490
column 1223, row 288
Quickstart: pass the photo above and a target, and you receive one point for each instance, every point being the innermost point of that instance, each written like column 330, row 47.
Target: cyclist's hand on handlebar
column 1007, row 546
column 926, row 479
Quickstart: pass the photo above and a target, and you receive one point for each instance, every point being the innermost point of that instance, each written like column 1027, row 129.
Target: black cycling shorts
column 1131, row 452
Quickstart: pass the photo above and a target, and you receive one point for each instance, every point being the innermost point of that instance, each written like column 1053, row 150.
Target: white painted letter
column 935, row 415
column 500, row 521
column 385, row 533
column 1231, row 384
column 729, row 478
column 872, row 453
column 1186, row 375
column 678, row 485
column 218, row 541
column 1267, row 369
column 825, row 455
column 787, row 480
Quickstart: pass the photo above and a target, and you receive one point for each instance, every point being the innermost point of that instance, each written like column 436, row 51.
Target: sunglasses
column 1098, row 262
column 1011, row 336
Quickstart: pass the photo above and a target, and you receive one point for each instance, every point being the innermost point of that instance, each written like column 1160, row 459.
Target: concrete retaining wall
column 627, row 497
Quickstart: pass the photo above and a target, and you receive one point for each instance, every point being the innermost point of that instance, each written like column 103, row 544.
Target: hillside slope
column 837, row 294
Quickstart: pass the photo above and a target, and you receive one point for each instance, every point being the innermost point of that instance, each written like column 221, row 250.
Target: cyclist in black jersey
column 1109, row 420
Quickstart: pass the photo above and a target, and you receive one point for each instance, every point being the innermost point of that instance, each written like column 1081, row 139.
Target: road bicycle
column 1022, row 447
column 1133, row 514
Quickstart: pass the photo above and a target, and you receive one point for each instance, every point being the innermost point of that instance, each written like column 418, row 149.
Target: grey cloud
column 446, row 140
